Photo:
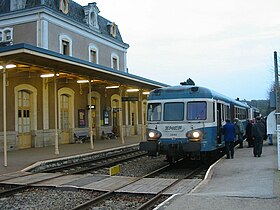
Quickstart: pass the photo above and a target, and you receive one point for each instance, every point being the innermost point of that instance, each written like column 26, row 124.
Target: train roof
column 190, row 91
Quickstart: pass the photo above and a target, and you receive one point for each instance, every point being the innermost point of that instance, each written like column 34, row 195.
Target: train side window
column 173, row 111
column 154, row 112
column 227, row 112
column 214, row 111
column 197, row 110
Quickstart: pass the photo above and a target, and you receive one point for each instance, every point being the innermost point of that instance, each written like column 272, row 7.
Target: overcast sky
column 226, row 45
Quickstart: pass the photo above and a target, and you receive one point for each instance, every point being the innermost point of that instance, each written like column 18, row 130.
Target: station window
column 93, row 57
column 64, row 112
column 65, row 45
column 6, row 35
column 93, row 53
column 113, row 29
column 115, row 63
column 23, row 111
column 64, row 6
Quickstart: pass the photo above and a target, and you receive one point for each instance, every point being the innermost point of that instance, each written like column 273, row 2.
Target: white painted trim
column 33, row 93
column 45, row 34
column 95, row 48
column 32, row 15
column 64, row 37
column 125, row 63
column 45, row 98
column 114, row 55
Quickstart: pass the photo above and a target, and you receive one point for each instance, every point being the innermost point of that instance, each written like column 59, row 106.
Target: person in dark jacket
column 239, row 131
column 229, row 136
column 258, row 134
column 248, row 133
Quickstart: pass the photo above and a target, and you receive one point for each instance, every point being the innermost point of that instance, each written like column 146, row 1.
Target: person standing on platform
column 248, row 133
column 239, row 131
column 258, row 133
column 229, row 136
column 271, row 126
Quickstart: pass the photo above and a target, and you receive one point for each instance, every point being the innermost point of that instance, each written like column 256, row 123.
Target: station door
column 65, row 118
column 24, row 119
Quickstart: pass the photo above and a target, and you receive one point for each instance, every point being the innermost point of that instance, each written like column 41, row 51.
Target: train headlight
column 153, row 134
column 194, row 135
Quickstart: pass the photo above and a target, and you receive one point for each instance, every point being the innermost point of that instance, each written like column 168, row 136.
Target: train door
column 219, row 123
column 24, row 119
column 65, row 118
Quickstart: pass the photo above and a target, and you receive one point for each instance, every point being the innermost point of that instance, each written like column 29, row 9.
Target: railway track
column 83, row 167
column 115, row 194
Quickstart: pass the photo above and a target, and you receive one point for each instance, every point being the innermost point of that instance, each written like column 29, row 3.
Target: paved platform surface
column 20, row 159
column 245, row 182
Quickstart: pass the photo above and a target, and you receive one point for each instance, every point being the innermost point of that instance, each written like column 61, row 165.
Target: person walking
column 258, row 133
column 229, row 136
column 239, row 131
column 248, row 133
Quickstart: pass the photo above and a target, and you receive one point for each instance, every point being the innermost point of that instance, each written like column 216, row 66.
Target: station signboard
column 129, row 98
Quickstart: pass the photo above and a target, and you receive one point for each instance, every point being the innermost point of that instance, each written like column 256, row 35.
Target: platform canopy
column 39, row 60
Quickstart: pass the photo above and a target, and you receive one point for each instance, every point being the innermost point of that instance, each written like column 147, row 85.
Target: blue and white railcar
column 186, row 121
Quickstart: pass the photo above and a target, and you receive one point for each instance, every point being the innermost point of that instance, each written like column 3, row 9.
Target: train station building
column 64, row 72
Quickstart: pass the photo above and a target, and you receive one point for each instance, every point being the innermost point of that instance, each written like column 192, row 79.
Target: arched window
column 115, row 61
column 66, row 108
column 65, row 43
column 64, row 112
column 24, row 111
column 25, row 107
column 93, row 54
column 64, row 6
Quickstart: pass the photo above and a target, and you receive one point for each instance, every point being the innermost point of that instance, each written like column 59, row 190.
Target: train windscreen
column 197, row 110
column 154, row 112
column 173, row 111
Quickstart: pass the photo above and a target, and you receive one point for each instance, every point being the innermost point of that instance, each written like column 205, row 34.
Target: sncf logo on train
column 173, row 128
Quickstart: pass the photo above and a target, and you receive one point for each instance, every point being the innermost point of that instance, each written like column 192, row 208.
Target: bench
column 81, row 136
column 108, row 135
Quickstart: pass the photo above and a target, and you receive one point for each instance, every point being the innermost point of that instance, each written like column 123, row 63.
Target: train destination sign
column 129, row 98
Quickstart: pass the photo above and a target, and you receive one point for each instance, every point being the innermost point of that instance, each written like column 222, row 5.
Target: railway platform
column 21, row 159
column 245, row 182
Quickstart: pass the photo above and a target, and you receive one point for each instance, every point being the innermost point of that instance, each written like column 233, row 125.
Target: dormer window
column 64, row 6
column 113, row 29
column 91, row 15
